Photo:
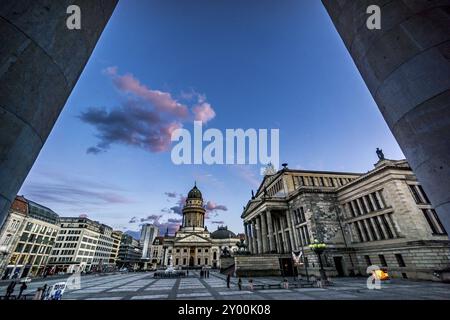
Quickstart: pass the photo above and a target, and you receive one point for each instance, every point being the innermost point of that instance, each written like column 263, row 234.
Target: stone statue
column 380, row 154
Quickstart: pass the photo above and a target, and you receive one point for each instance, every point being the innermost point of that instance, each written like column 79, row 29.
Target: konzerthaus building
column 382, row 217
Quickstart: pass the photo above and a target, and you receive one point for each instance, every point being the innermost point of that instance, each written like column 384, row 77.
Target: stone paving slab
column 145, row 287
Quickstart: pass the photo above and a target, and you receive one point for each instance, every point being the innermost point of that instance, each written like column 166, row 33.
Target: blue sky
column 234, row 64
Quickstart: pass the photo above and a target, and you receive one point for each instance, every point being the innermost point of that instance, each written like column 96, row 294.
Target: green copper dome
column 195, row 193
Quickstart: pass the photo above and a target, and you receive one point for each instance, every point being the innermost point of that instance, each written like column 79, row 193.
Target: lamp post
column 318, row 248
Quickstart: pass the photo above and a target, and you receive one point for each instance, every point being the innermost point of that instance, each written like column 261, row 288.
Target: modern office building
column 148, row 234
column 28, row 237
column 76, row 244
column 130, row 253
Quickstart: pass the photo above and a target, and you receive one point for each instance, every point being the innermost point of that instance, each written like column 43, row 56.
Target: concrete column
column 406, row 65
column 265, row 245
column 40, row 63
column 270, row 231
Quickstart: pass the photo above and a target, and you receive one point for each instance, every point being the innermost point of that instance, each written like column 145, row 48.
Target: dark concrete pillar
column 40, row 62
column 406, row 67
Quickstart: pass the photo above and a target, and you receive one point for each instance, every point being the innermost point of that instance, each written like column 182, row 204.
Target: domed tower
column 193, row 211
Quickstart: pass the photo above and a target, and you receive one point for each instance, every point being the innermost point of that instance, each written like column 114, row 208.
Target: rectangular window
column 372, row 230
column 364, row 229
column 375, row 200
column 382, row 260
column 400, row 261
column 423, row 194
column 415, row 194
column 387, row 227
column 355, row 205
column 358, row 230
column 378, row 226
column 351, row 209
column 363, row 206
column 433, row 221
column 369, row 203
column 368, row 261
column 206, row 260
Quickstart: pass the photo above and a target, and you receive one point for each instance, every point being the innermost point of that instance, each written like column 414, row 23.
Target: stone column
column 270, row 230
column 40, row 63
column 259, row 234
column 291, row 228
column 254, row 242
column 246, row 234
column 406, row 65
column 265, row 246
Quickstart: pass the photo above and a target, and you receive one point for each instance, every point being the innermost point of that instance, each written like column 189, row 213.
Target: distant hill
column 135, row 234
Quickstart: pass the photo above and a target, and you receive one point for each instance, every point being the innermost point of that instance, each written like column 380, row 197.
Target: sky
column 160, row 65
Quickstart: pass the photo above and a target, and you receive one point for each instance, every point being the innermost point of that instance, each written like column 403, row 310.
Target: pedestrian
column 201, row 273
column 38, row 294
column 23, row 287
column 240, row 284
column 228, row 280
column 10, row 289
column 207, row 273
column 44, row 292
column 285, row 284
column 250, row 284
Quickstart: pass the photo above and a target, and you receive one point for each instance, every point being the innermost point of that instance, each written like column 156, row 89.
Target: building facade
column 382, row 217
column 117, row 237
column 75, row 245
column 148, row 234
column 11, row 230
column 102, row 255
column 193, row 246
column 130, row 253
column 30, row 231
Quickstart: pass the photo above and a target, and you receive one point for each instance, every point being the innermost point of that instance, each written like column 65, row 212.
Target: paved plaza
column 142, row 286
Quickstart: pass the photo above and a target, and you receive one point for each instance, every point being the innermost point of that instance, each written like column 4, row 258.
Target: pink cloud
column 203, row 112
column 162, row 101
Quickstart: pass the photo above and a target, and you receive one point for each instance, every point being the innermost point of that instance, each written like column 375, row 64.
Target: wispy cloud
column 247, row 173
column 212, row 206
column 146, row 119
column 171, row 194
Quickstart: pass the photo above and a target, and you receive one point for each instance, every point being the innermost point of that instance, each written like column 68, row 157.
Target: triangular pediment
column 193, row 238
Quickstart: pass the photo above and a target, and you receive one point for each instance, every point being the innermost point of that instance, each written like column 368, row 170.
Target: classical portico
column 193, row 246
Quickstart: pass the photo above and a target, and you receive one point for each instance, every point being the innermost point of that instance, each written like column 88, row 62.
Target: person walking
column 250, row 284
column 44, row 292
column 228, row 280
column 23, row 287
column 10, row 289
column 38, row 294
column 240, row 284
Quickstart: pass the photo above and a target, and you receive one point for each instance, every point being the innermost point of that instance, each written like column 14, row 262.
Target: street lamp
column 318, row 248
